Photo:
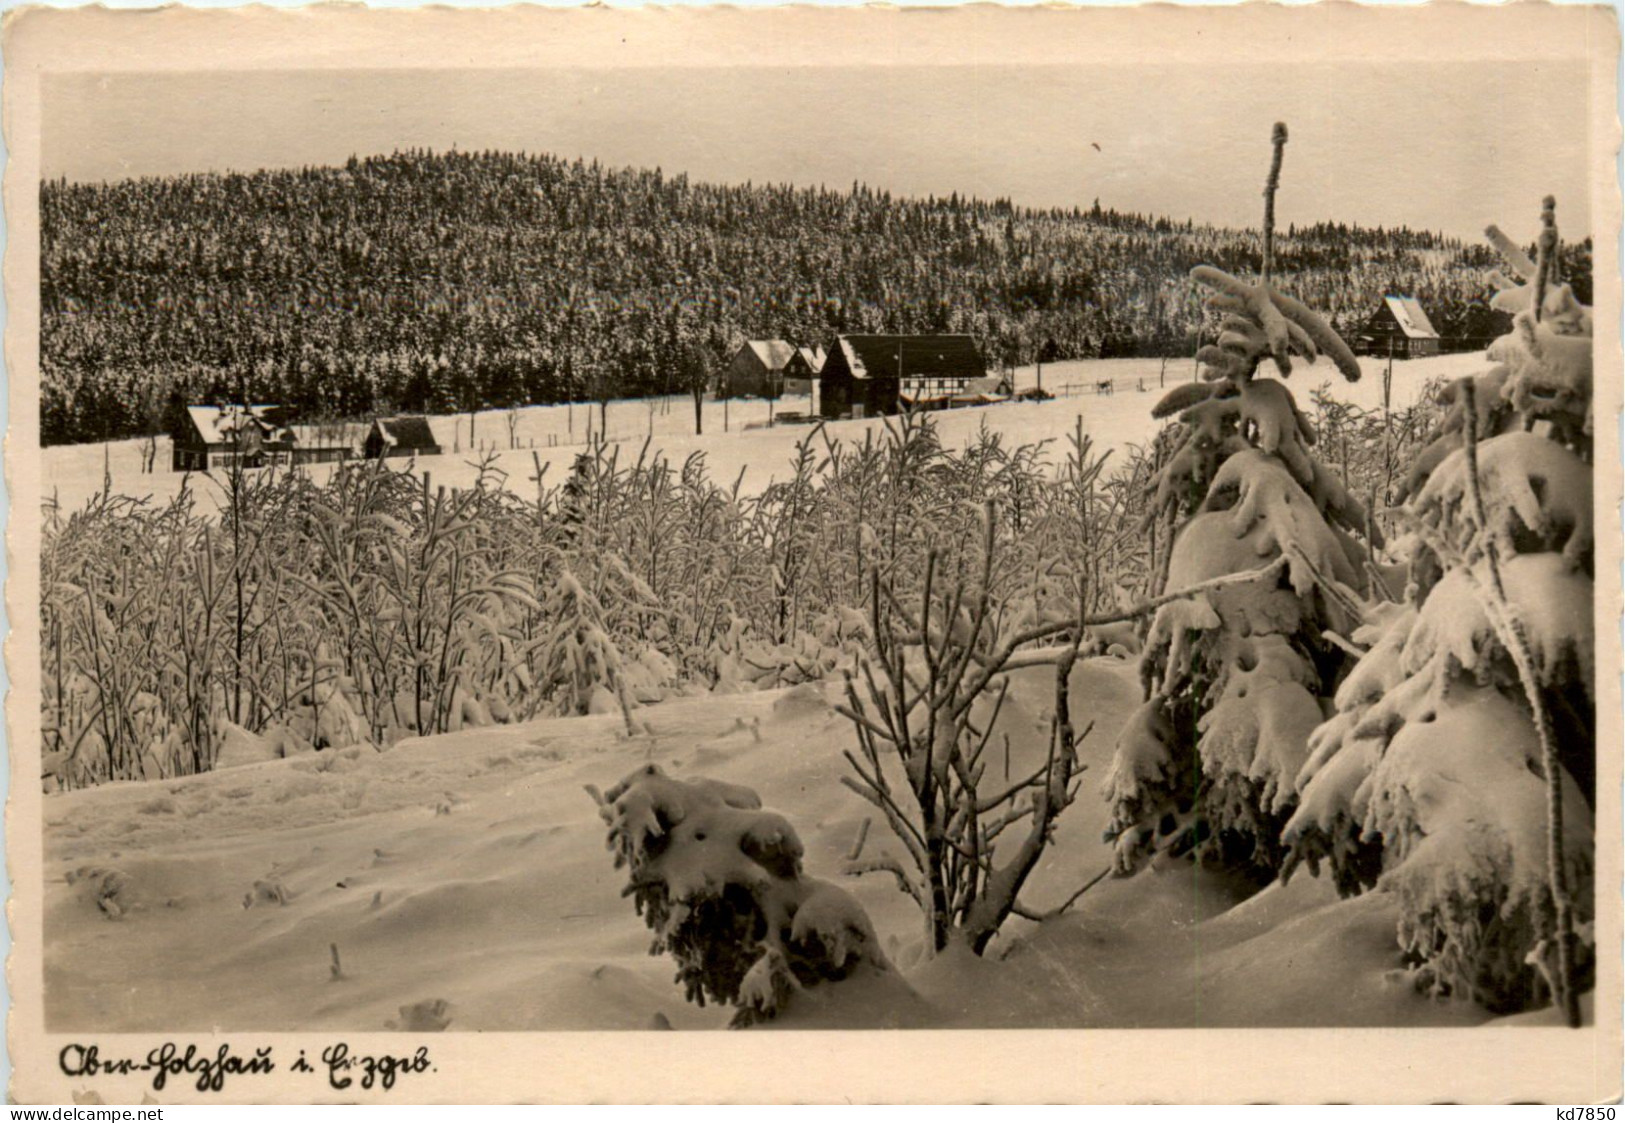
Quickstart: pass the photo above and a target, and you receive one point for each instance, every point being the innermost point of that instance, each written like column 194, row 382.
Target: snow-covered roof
column 1412, row 320
column 814, row 357
column 773, row 353
column 912, row 356
column 413, row 431
column 222, row 424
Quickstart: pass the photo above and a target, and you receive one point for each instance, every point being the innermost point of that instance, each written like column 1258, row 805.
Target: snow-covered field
column 462, row 880
column 470, row 870
column 555, row 434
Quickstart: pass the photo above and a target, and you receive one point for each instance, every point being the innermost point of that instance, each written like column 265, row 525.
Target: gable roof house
column 802, row 372
column 760, row 368
column 866, row 375
column 1398, row 327
column 251, row 436
column 400, row 436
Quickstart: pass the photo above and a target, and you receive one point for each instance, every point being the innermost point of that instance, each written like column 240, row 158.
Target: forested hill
column 447, row 281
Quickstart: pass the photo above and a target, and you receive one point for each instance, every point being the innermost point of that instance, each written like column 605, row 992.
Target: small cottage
column 1399, row 327
column 765, row 368
column 400, row 436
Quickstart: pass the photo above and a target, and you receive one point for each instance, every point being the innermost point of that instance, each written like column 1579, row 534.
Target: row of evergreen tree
column 452, row 281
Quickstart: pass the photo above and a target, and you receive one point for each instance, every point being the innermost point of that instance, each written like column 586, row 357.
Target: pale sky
column 1444, row 146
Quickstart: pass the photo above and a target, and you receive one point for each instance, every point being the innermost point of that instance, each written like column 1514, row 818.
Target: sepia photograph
column 1050, row 525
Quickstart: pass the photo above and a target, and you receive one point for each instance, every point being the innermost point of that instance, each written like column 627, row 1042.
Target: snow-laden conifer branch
column 1457, row 769
column 1506, row 621
column 719, row 882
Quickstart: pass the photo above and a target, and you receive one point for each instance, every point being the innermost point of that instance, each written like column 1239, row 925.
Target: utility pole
column 899, row 365
column 1388, row 379
column 1387, row 430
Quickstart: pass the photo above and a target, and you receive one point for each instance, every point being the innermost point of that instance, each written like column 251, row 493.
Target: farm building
column 321, row 454
column 761, row 368
column 1398, row 327
column 869, row 374
column 400, row 436
column 218, row 436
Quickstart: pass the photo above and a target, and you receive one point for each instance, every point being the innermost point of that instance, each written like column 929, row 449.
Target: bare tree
column 932, row 662
column 695, row 374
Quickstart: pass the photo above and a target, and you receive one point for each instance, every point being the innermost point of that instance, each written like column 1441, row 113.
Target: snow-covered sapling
column 1458, row 770
column 1232, row 677
column 719, row 881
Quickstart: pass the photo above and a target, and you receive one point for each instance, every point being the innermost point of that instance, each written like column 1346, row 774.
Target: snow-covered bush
column 424, row 588
column 1459, row 768
column 719, row 882
column 153, row 625
column 1271, row 535
column 579, row 666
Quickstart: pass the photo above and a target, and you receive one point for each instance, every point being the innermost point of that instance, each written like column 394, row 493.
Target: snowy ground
column 555, row 434
column 470, row 869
